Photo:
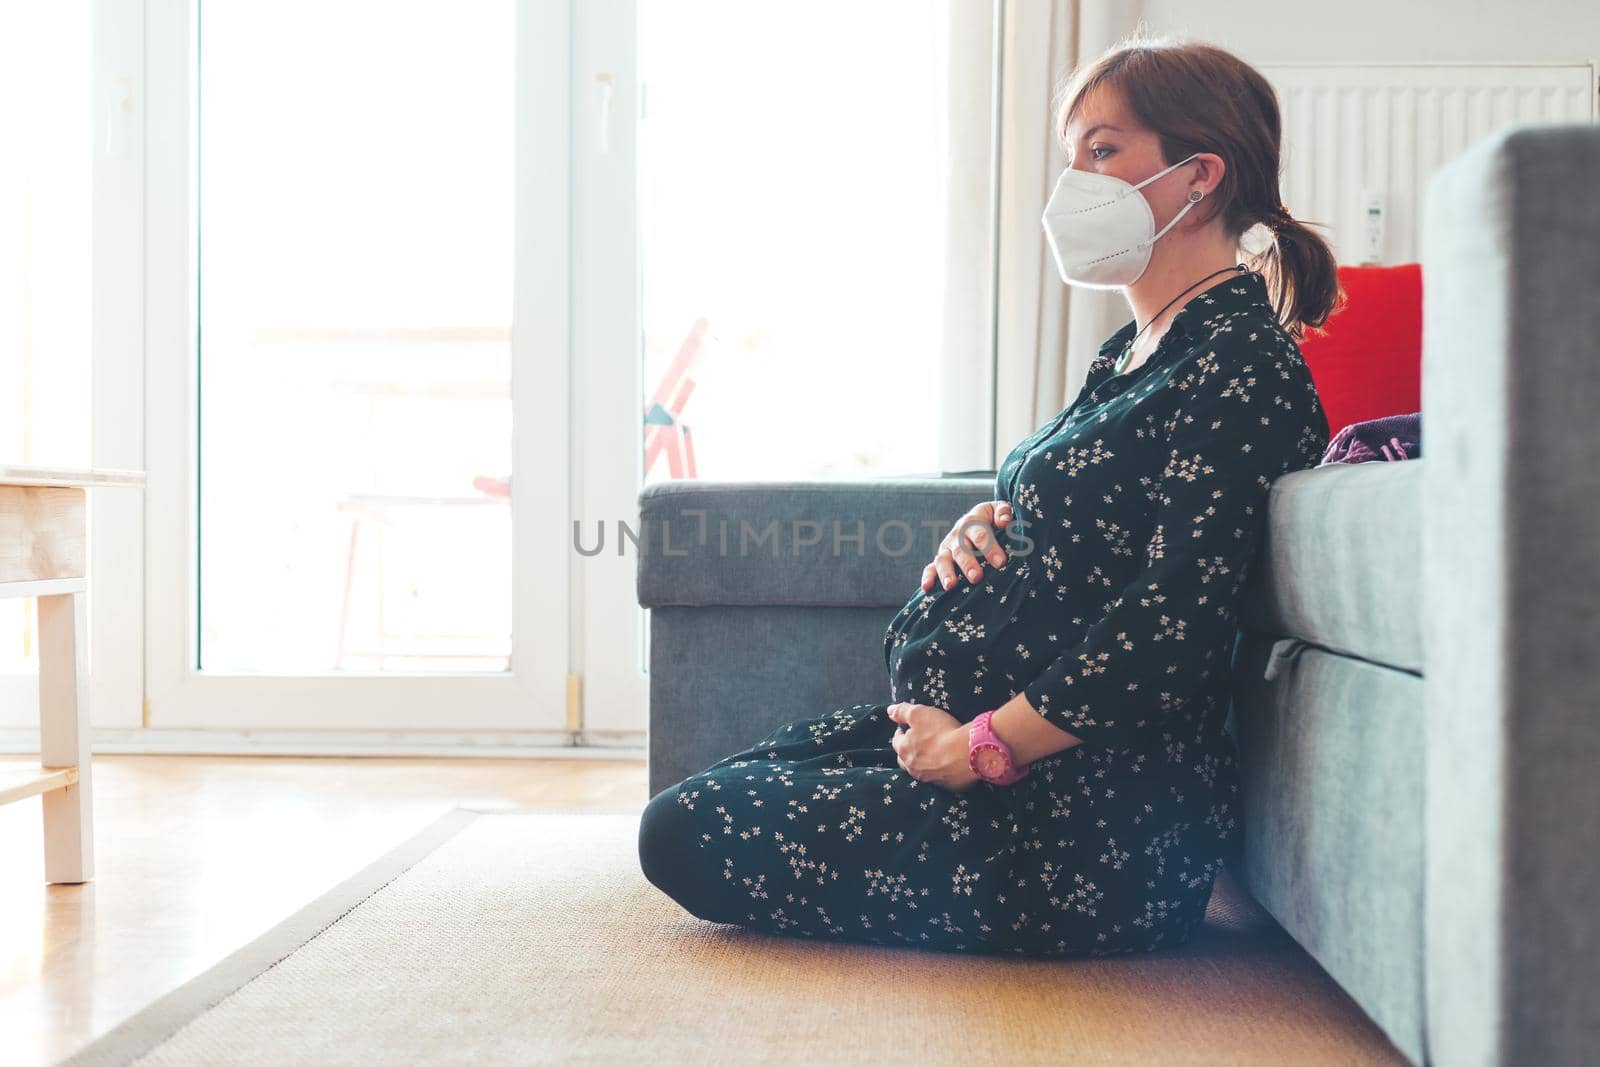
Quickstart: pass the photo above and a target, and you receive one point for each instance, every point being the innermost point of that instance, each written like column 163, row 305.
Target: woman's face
column 1103, row 138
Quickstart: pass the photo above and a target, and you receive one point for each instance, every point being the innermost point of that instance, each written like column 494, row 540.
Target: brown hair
column 1200, row 98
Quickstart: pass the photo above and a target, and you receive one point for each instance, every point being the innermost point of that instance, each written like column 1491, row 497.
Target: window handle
column 607, row 89
column 119, row 115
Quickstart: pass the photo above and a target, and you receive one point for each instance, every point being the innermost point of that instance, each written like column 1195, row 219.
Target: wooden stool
column 43, row 547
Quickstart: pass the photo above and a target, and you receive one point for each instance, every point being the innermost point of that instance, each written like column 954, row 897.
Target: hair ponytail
column 1301, row 273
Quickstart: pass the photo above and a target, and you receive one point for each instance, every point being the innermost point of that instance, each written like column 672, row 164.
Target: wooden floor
column 197, row 855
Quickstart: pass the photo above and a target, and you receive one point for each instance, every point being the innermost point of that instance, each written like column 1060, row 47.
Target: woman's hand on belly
column 968, row 544
column 933, row 747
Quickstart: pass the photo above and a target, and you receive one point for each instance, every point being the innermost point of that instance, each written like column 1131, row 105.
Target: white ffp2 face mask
column 1101, row 229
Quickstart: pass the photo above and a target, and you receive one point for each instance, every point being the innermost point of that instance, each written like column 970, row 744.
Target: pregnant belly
column 950, row 647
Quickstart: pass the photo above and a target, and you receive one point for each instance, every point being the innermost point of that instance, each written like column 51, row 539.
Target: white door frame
column 606, row 347
column 531, row 697
column 116, row 521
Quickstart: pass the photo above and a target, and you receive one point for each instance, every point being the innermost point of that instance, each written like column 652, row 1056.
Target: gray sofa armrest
column 796, row 543
column 769, row 600
column 1511, row 546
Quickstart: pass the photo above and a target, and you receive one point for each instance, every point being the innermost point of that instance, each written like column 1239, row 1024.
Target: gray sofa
column 1415, row 695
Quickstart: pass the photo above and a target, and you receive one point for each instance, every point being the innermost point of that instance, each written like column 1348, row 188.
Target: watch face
column 991, row 761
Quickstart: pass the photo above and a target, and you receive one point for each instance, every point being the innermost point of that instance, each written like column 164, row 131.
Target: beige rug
column 532, row 937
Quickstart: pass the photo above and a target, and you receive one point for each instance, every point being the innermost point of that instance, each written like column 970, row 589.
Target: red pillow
column 1367, row 358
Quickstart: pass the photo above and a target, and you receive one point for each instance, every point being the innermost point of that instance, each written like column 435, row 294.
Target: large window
column 355, row 294
column 814, row 237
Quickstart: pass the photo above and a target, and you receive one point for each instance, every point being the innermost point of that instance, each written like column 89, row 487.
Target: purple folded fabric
column 1391, row 438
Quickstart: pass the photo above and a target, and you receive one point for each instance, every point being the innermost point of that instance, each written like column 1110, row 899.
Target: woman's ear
column 1208, row 175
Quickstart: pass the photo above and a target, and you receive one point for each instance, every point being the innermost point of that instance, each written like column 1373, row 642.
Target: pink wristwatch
column 991, row 757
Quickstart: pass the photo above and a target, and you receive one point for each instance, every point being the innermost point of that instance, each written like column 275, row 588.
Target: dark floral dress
column 1142, row 505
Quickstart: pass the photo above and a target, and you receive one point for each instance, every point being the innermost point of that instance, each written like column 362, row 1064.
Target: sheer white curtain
column 1047, row 332
column 965, row 426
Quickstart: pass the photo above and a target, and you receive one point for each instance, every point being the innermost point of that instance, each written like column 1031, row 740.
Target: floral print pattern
column 1139, row 508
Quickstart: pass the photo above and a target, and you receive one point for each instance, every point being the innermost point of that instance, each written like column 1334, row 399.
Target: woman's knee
column 663, row 831
column 672, row 862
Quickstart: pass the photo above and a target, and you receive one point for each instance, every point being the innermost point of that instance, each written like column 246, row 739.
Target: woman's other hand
column 933, row 747
column 968, row 545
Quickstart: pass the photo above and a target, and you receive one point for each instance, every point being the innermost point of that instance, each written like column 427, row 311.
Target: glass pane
column 47, row 126
column 816, row 217
column 355, row 310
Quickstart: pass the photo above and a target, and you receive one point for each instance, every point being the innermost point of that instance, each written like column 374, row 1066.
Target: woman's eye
column 1101, row 148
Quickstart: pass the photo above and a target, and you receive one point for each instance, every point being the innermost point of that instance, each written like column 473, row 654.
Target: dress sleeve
column 1241, row 423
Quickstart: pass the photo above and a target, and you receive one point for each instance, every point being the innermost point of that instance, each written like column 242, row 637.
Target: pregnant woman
column 1052, row 775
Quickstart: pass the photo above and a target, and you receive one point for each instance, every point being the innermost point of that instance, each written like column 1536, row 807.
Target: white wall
column 1441, row 31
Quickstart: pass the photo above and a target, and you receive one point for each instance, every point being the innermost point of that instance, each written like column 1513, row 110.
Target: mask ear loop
column 1194, row 198
column 1194, row 195
column 1169, row 170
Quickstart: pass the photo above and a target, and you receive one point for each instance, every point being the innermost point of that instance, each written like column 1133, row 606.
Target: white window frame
column 530, row 699
column 606, row 343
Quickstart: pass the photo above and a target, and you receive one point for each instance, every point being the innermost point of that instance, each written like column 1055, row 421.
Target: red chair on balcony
column 664, row 428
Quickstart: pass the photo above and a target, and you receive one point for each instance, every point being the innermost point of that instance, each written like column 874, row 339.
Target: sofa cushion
column 1331, row 751
column 1341, row 565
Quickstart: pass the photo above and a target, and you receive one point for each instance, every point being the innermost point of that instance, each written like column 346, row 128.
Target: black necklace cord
column 1239, row 267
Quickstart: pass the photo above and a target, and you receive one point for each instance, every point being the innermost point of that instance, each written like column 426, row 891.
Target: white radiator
column 1360, row 141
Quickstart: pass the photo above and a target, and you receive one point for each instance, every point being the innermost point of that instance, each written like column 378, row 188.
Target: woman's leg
column 672, row 862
